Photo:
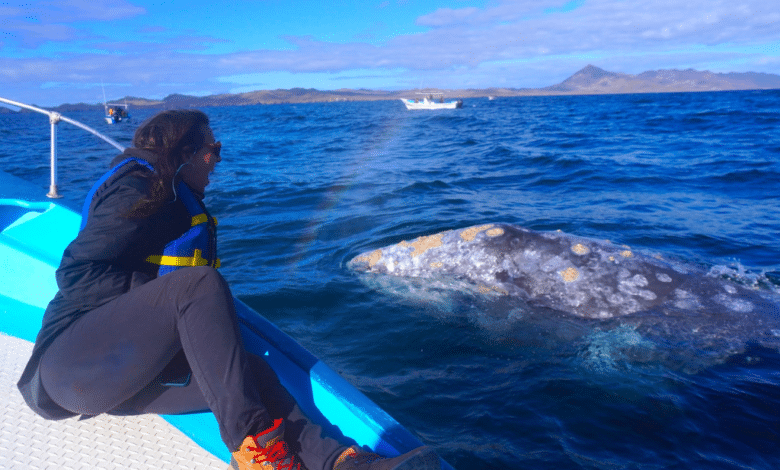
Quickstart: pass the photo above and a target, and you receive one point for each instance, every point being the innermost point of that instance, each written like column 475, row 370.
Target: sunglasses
column 215, row 148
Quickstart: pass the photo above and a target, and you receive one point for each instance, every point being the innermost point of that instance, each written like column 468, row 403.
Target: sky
column 69, row 51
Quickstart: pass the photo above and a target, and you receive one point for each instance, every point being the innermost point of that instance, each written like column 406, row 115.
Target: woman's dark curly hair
column 173, row 136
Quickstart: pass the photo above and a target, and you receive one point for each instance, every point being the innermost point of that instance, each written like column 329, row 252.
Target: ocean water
column 490, row 383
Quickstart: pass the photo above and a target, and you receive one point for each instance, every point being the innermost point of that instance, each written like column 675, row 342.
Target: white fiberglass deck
column 105, row 442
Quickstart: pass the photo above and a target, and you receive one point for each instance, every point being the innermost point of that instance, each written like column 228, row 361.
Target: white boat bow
column 429, row 102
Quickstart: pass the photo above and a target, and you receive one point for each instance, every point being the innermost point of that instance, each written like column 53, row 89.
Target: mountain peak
column 585, row 78
column 592, row 72
column 593, row 80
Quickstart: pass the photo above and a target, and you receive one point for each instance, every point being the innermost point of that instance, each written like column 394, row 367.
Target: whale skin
column 581, row 276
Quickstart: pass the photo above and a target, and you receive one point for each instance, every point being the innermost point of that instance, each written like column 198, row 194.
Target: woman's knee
column 200, row 279
column 201, row 290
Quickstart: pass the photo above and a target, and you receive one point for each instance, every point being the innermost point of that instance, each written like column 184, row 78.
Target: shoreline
column 590, row 80
column 327, row 97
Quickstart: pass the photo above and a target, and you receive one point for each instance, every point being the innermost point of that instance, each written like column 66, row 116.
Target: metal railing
column 54, row 119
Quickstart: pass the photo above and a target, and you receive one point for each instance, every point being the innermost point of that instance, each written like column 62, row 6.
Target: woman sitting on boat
column 141, row 308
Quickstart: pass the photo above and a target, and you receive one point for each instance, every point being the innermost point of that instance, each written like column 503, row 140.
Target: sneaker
column 266, row 451
column 354, row 458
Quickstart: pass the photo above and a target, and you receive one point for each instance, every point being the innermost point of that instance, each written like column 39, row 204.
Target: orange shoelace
column 275, row 454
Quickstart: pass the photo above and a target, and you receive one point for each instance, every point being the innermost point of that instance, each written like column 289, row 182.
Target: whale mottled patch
column 734, row 304
column 471, row 233
column 423, row 244
column 370, row 258
column 580, row 249
column 570, row 274
column 626, row 254
column 495, row 232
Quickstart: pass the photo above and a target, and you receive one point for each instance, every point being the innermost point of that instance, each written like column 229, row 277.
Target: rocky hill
column 593, row 80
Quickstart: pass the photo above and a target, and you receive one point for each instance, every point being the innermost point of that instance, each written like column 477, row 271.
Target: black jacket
column 105, row 260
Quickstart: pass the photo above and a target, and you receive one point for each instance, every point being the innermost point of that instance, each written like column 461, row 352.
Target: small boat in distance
column 431, row 102
column 116, row 112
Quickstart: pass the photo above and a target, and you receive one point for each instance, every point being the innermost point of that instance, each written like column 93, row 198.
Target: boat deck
column 104, row 442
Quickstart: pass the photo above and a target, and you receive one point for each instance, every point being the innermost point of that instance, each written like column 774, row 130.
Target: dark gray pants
column 115, row 359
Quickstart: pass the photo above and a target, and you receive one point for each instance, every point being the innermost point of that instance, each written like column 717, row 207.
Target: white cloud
column 33, row 35
column 30, row 25
column 447, row 17
column 66, row 11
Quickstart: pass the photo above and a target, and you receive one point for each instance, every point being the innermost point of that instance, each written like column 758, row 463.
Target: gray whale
column 584, row 277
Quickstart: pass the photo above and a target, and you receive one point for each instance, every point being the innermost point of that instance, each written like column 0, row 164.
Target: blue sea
column 304, row 188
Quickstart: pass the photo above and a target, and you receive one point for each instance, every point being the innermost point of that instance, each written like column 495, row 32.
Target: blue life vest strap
column 193, row 245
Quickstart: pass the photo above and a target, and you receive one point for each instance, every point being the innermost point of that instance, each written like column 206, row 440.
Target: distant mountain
column 591, row 80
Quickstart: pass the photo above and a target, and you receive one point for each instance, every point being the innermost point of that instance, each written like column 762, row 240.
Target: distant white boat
column 116, row 112
column 429, row 101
